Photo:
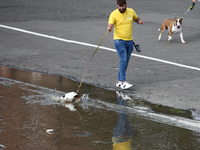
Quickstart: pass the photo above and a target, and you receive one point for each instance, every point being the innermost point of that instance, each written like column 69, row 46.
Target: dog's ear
column 175, row 18
column 180, row 20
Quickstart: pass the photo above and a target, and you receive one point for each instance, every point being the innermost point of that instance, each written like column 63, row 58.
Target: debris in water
column 49, row 131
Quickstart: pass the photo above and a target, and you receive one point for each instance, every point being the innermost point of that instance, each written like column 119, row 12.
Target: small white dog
column 69, row 100
column 70, row 97
column 173, row 26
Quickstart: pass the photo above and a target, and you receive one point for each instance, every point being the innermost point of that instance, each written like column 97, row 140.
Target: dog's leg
column 161, row 31
column 170, row 36
column 181, row 36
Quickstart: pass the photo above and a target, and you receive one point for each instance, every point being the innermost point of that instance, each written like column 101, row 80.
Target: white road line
column 92, row 45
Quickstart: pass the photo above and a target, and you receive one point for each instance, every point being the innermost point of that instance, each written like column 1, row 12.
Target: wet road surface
column 76, row 28
column 102, row 120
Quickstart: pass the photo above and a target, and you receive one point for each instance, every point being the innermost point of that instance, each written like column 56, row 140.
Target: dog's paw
column 183, row 42
column 159, row 37
column 169, row 38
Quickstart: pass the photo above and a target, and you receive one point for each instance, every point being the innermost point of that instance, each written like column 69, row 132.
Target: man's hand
column 140, row 22
column 192, row 6
column 109, row 27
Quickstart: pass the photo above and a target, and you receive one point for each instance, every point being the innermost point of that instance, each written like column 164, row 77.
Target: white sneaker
column 126, row 85
column 118, row 84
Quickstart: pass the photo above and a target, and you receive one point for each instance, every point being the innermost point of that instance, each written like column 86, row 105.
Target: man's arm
column 139, row 21
column 109, row 27
column 193, row 3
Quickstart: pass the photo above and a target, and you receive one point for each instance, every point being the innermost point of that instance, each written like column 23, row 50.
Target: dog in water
column 69, row 100
column 173, row 26
column 70, row 97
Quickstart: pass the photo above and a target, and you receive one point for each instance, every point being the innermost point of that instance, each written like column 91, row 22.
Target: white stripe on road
column 92, row 45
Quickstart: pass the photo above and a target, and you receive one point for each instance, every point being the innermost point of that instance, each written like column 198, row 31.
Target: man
column 122, row 18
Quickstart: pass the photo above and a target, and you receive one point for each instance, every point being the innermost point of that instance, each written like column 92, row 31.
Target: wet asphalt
column 81, row 21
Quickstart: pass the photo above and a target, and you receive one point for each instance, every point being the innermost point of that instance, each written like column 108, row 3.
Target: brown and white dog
column 173, row 26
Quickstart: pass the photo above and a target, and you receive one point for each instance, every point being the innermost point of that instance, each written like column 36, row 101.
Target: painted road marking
column 102, row 47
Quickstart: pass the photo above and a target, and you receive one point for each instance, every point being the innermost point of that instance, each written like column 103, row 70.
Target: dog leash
column 90, row 61
column 190, row 8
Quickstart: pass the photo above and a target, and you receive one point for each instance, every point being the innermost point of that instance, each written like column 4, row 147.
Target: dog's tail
column 159, row 29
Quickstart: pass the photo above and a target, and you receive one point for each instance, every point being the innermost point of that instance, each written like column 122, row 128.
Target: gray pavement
column 82, row 21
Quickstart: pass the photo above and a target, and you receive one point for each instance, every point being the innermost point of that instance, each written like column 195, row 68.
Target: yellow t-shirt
column 123, row 23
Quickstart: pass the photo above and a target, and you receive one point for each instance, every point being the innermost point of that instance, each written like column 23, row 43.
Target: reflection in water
column 36, row 78
column 122, row 136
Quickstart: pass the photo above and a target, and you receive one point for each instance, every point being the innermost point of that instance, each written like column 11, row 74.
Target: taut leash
column 90, row 61
column 190, row 8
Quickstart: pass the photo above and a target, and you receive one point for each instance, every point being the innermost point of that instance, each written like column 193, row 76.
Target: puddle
column 64, row 84
column 102, row 120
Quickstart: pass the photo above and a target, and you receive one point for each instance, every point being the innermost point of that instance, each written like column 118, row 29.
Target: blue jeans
column 124, row 50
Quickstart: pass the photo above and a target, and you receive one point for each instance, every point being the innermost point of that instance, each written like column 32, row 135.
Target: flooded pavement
column 30, row 117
